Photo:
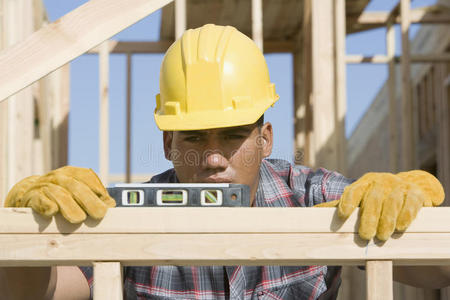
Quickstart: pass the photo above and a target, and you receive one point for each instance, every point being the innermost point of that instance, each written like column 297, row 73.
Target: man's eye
column 192, row 139
column 234, row 137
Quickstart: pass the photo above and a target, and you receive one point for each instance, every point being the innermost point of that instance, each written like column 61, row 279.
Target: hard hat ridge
column 213, row 76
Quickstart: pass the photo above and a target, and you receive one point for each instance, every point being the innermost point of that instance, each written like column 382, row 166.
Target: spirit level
column 180, row 194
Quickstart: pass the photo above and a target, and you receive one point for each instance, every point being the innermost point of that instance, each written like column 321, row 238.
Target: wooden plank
column 67, row 38
column 359, row 59
column 379, row 280
column 3, row 121
column 408, row 146
column 128, row 120
column 325, row 141
column 383, row 59
column 430, row 58
column 307, row 54
column 60, row 148
column 180, row 18
column 416, row 123
column 373, row 19
column 108, row 283
column 443, row 129
column 257, row 23
column 47, row 101
column 340, row 84
column 299, row 105
column 104, row 112
column 123, row 47
column 429, row 81
column 193, row 219
column 393, row 136
column 222, row 249
column 21, row 106
column 422, row 108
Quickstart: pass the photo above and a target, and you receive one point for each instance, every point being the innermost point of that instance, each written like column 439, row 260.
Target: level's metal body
column 181, row 194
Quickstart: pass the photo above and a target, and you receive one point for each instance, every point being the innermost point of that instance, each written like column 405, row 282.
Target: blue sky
column 363, row 82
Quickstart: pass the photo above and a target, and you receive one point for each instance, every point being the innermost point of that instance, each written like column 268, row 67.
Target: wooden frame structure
column 405, row 18
column 324, row 146
column 161, row 236
column 319, row 56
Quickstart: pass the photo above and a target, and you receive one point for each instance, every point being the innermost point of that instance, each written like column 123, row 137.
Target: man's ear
column 267, row 138
column 167, row 143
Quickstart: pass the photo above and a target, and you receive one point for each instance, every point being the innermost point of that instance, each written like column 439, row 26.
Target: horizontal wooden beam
column 370, row 20
column 217, row 236
column 360, row 59
column 181, row 220
column 384, row 59
column 75, row 33
column 221, row 249
column 135, row 47
column 417, row 16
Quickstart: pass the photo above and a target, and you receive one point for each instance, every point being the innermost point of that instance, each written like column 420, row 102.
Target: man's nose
column 213, row 156
column 214, row 159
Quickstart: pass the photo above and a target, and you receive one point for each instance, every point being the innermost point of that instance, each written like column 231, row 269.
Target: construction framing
column 178, row 236
column 301, row 236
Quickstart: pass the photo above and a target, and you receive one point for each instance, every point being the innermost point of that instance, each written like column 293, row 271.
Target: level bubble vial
column 171, row 197
column 211, row 197
column 132, row 197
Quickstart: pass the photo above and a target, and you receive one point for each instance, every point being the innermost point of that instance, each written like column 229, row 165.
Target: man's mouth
column 216, row 179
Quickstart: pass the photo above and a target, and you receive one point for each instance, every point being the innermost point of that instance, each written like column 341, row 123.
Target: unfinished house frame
column 318, row 50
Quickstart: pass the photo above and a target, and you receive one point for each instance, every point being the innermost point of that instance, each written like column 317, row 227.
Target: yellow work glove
column 388, row 201
column 71, row 190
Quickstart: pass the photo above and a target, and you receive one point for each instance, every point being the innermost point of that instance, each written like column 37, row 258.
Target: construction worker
column 214, row 90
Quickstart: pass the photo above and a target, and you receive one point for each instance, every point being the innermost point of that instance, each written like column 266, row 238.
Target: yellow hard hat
column 212, row 77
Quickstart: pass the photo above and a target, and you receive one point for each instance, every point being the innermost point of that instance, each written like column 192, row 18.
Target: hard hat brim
column 208, row 119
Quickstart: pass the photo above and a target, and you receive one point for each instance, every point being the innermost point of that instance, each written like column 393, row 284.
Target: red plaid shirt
column 281, row 185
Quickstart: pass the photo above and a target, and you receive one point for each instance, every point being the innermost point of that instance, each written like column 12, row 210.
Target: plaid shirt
column 281, row 185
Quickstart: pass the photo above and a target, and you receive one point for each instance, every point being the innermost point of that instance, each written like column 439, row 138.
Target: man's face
column 227, row 155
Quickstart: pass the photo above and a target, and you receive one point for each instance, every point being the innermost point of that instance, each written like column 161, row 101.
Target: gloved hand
column 388, row 201
column 71, row 190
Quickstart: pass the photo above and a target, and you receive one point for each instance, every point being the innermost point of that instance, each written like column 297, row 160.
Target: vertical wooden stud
column 429, row 80
column 20, row 131
column 379, row 280
column 422, row 109
column 108, row 283
column 443, row 128
column 408, row 147
column 61, row 120
column 416, row 122
column 299, row 105
column 180, row 18
column 3, row 120
column 128, row 122
column 104, row 111
column 325, row 139
column 340, row 85
column 308, row 154
column 390, row 45
column 257, row 23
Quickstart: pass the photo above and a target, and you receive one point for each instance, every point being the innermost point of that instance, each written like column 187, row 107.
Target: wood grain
column 205, row 220
column 108, row 281
column 379, row 280
column 67, row 38
column 221, row 249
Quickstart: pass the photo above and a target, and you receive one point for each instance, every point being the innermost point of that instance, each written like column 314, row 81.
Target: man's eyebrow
column 237, row 130
column 192, row 132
